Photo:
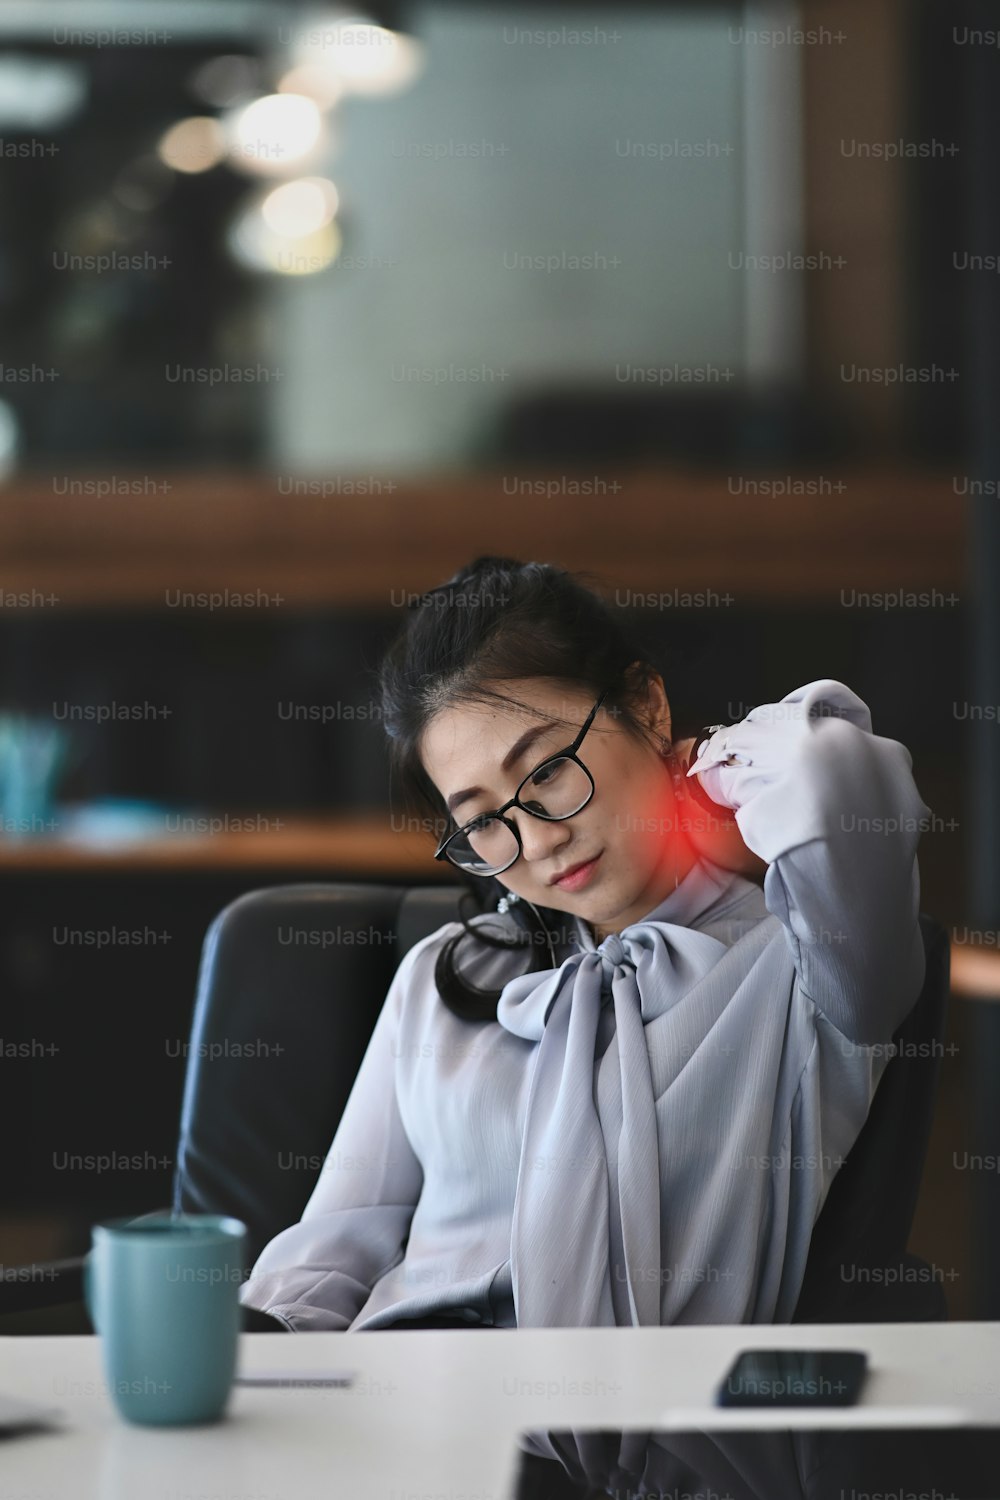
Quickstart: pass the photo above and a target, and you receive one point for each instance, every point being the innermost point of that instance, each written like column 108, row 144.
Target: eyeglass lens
column 556, row 790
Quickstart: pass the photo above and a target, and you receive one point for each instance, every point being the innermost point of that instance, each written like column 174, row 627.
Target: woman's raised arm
column 834, row 811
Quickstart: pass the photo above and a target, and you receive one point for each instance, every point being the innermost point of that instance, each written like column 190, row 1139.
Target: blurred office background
column 303, row 307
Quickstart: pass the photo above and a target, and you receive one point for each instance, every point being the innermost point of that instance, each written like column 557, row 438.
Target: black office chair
column 292, row 979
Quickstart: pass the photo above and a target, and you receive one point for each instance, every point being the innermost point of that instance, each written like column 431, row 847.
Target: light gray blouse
column 668, row 1163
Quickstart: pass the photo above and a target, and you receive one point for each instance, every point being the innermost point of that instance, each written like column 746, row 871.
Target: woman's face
column 627, row 826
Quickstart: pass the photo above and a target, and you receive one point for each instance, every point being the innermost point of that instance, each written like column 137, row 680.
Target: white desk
column 436, row 1412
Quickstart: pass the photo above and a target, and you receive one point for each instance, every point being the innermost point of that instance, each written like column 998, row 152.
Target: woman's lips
column 579, row 877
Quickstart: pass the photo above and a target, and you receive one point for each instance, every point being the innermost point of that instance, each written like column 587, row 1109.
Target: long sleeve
column 318, row 1273
column 835, row 812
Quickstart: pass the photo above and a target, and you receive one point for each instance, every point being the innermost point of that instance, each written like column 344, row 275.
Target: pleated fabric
column 630, row 1148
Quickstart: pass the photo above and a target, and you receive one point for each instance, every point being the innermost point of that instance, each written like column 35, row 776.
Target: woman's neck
column 682, row 861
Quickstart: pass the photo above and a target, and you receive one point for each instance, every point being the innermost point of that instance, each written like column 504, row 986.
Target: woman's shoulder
column 740, row 909
column 480, row 963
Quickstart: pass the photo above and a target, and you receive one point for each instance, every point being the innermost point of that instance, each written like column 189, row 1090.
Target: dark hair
column 494, row 621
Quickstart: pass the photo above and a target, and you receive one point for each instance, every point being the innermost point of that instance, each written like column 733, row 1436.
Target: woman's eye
column 545, row 774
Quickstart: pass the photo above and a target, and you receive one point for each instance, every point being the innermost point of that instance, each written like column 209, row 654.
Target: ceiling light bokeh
column 258, row 246
column 363, row 57
column 271, row 136
column 300, row 207
column 40, row 93
column 226, row 81
column 193, row 145
column 322, row 85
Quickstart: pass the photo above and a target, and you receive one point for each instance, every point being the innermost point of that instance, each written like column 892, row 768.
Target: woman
column 619, row 1091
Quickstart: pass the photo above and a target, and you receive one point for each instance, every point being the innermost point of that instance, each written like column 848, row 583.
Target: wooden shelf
column 642, row 531
column 362, row 846
column 359, row 847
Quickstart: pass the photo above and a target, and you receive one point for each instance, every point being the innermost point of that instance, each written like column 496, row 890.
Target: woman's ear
column 659, row 707
column 656, row 709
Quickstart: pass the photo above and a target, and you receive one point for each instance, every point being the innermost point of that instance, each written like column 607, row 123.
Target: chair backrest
column 858, row 1268
column 291, row 982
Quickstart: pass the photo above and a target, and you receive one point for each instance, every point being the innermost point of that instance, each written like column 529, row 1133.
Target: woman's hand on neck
column 718, row 837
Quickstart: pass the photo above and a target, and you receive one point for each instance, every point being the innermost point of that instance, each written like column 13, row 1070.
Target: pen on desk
column 342, row 1378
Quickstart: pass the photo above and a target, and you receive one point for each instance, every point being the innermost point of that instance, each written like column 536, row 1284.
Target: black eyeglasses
column 561, row 786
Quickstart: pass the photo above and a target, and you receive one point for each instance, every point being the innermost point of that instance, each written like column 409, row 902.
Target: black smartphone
column 794, row 1377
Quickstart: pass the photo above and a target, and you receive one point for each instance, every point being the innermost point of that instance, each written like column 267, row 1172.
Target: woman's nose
column 540, row 837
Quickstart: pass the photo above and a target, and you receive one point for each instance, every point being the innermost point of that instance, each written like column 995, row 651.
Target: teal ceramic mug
column 163, row 1294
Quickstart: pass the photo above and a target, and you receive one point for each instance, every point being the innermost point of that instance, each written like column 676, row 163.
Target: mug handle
column 89, row 1293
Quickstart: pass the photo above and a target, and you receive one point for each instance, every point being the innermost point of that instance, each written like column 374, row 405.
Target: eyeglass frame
column 570, row 753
